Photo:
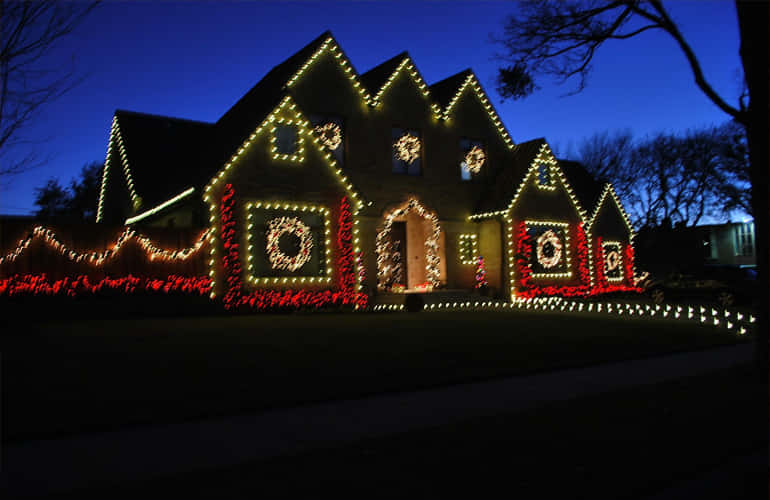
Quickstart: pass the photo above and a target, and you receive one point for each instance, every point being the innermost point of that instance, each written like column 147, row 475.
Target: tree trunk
column 753, row 18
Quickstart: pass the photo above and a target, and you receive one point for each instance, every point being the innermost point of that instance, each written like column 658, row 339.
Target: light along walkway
column 44, row 466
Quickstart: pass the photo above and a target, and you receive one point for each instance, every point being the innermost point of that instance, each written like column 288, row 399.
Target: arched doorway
column 407, row 249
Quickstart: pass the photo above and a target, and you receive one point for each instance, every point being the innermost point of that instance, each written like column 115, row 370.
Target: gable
column 471, row 90
column 609, row 217
column 326, row 69
column 279, row 173
column 555, row 201
column 403, row 90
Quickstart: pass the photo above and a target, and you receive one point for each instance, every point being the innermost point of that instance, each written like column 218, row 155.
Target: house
column 323, row 181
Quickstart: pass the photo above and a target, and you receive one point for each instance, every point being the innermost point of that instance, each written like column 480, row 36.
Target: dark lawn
column 81, row 376
column 626, row 444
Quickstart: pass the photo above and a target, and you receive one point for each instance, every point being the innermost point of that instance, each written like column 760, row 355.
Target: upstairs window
column 407, row 151
column 286, row 139
column 473, row 157
column 543, row 175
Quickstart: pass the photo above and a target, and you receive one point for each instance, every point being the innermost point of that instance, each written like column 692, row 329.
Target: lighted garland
column 99, row 258
column 288, row 225
column 384, row 246
column 474, row 159
column 330, row 135
column 549, row 238
column 407, row 148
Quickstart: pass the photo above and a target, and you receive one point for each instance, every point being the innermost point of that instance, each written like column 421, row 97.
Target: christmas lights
column 330, row 135
column 557, row 246
column 383, row 245
column 472, row 83
column 613, row 265
column 99, row 258
column 160, row 207
column 273, row 235
column 407, row 66
column 469, row 248
column 407, row 148
column 299, row 154
column 288, row 225
column 609, row 194
column 116, row 142
column 474, row 159
column 481, row 273
column 547, row 243
column 38, row 284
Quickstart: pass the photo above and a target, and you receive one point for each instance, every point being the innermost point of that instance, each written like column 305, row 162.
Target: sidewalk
column 39, row 467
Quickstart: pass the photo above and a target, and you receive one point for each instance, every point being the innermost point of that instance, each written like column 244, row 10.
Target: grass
column 626, row 444
column 80, row 376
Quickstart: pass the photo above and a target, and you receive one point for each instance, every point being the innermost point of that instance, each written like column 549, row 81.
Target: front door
column 399, row 256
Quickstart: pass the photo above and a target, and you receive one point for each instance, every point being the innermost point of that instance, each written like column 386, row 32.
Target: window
column 543, row 175
column 407, row 151
column 285, row 139
column 331, row 133
column 287, row 245
column 550, row 257
column 613, row 261
column 468, row 248
column 473, row 157
column 744, row 239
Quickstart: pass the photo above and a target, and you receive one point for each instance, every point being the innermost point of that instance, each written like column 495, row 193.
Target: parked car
column 723, row 285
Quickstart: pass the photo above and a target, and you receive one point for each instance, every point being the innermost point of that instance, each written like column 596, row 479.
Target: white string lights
column 613, row 261
column 407, row 148
column 469, row 248
column 330, row 135
column 549, row 236
column 99, row 258
column 383, row 246
column 474, row 160
column 251, row 209
column 276, row 228
column 187, row 192
column 116, row 141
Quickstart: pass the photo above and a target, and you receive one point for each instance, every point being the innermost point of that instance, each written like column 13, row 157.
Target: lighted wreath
column 613, row 260
column 331, row 135
column 548, row 243
column 407, row 148
column 474, row 159
column 288, row 225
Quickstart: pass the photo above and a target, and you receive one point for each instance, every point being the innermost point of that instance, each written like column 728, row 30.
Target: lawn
column 79, row 376
column 626, row 444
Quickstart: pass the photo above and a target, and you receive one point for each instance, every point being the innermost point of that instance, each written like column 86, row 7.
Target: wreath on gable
column 288, row 225
column 549, row 249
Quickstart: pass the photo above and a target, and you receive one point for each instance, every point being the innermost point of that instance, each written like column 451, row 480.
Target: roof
column 166, row 155
column 444, row 90
column 251, row 109
column 375, row 78
column 502, row 187
column 584, row 185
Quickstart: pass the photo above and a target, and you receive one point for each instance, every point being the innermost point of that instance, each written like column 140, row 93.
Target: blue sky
column 196, row 59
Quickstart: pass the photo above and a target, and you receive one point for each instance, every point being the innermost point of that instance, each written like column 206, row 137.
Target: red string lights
column 261, row 300
column 38, row 284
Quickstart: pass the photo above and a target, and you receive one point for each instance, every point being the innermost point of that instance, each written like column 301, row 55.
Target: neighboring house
column 318, row 170
column 729, row 244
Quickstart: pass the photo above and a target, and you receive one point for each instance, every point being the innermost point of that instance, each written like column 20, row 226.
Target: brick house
column 426, row 178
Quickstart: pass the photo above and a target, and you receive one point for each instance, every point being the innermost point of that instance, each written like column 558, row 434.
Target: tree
column 53, row 200
column 28, row 31
column 78, row 202
column 560, row 38
column 675, row 178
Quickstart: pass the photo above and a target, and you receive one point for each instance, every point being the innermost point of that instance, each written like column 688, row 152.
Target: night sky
column 196, row 59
